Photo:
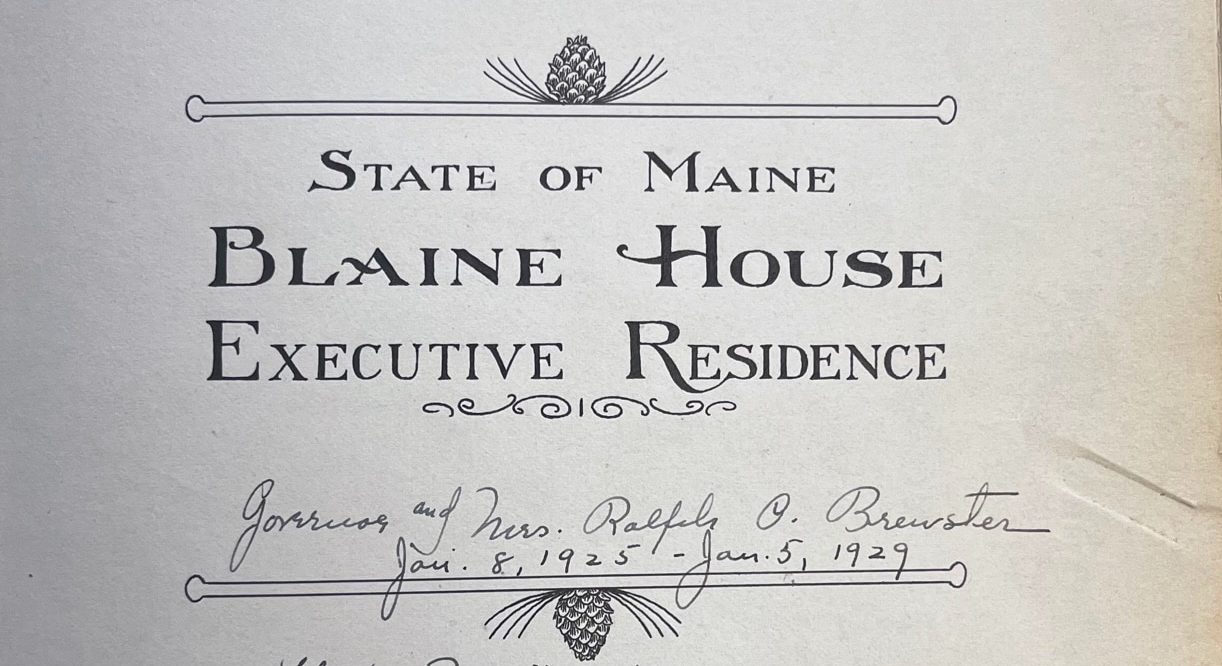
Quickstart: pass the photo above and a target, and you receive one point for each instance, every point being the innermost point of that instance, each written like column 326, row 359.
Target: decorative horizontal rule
column 575, row 86
column 198, row 109
column 583, row 605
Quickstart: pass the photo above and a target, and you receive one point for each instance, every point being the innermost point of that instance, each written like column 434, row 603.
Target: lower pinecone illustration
column 584, row 618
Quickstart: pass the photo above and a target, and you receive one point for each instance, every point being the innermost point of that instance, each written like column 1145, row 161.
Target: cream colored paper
column 1074, row 199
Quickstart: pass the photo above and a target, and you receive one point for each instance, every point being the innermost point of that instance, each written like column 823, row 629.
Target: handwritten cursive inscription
column 615, row 514
column 857, row 510
column 258, row 520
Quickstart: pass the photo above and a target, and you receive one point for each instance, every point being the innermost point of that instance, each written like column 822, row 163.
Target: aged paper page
column 639, row 333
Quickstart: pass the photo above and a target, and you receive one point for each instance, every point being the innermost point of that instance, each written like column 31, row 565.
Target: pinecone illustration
column 577, row 74
column 584, row 618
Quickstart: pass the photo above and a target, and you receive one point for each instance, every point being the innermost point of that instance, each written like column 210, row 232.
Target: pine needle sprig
column 507, row 80
column 635, row 80
column 520, row 609
column 535, row 86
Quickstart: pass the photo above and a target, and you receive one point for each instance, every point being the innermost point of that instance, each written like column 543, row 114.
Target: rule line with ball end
column 197, row 588
column 583, row 605
column 198, row 109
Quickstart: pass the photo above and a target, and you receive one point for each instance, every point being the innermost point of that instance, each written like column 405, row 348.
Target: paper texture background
column 1076, row 201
